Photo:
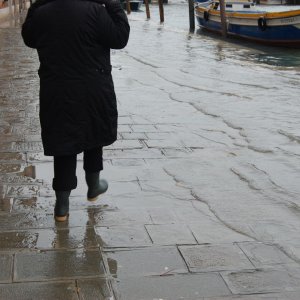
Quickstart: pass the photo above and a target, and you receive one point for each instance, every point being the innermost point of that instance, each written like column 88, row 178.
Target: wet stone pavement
column 203, row 200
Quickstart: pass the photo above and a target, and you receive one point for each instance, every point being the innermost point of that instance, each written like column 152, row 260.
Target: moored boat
column 272, row 2
column 276, row 25
column 203, row 3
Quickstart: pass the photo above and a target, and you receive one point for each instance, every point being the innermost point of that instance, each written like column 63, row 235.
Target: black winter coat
column 78, row 109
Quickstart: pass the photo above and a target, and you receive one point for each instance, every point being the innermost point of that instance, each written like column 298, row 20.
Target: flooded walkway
column 204, row 179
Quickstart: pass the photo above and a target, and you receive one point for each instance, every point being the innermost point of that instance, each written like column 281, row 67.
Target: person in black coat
column 78, row 109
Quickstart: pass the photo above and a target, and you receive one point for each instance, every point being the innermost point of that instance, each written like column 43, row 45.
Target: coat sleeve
column 114, row 27
column 28, row 30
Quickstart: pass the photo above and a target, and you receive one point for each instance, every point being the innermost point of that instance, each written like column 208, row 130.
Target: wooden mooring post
column 147, row 8
column 10, row 8
column 192, row 15
column 128, row 9
column 161, row 11
column 223, row 18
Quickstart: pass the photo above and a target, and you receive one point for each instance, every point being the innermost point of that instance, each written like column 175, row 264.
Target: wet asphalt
column 203, row 201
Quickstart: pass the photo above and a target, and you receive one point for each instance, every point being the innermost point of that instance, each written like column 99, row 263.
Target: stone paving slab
column 22, row 190
column 293, row 249
column 68, row 238
column 10, row 221
column 174, row 287
column 266, row 280
column 9, row 157
column 213, row 232
column 195, row 212
column 122, row 217
column 126, row 144
column 6, row 147
column 18, row 178
column 27, row 146
column 10, row 168
column 105, row 203
column 275, row 231
column 18, row 240
column 6, row 204
column 71, row 238
column 166, row 144
column 124, row 128
column 41, row 205
column 123, row 236
column 94, row 289
column 125, row 119
column 148, row 200
column 204, row 258
column 134, row 136
column 262, row 254
column 30, row 204
column 2, row 191
column 32, row 138
column 134, row 154
column 38, row 220
column 165, row 188
column 161, row 216
column 170, row 234
column 128, row 162
column 11, row 137
column 39, row 290
column 144, row 128
column 266, row 212
column 6, row 263
column 160, row 135
column 269, row 296
column 38, row 157
column 183, row 152
column 146, row 262
column 55, row 265
column 146, row 172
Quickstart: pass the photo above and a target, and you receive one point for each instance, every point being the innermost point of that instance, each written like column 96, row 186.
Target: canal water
column 177, row 19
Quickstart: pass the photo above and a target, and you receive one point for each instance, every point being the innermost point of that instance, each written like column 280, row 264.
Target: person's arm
column 28, row 32
column 114, row 27
column 29, row 28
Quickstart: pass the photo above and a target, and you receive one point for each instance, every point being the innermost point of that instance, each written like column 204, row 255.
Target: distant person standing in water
column 78, row 109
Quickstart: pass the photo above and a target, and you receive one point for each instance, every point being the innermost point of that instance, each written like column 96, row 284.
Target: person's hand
column 109, row 4
column 112, row 5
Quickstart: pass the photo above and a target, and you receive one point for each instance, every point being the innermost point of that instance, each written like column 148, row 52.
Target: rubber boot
column 61, row 210
column 96, row 186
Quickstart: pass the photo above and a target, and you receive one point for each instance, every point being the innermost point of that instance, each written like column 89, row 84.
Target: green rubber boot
column 61, row 210
column 96, row 186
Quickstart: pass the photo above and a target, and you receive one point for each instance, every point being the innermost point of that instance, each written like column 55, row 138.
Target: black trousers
column 65, row 168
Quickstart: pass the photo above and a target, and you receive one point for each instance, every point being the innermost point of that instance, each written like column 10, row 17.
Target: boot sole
column 93, row 199
column 61, row 218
